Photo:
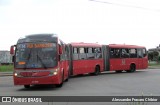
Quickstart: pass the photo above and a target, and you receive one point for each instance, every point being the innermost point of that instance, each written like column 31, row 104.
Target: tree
column 153, row 56
column 150, row 56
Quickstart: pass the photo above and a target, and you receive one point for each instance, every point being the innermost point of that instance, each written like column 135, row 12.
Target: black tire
column 132, row 69
column 66, row 80
column 26, row 86
column 61, row 84
column 97, row 70
column 67, row 77
column 119, row 71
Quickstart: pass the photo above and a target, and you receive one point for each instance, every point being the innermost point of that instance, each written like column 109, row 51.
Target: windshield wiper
column 41, row 61
column 29, row 56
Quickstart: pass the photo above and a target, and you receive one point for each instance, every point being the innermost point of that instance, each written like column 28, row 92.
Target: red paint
column 124, row 63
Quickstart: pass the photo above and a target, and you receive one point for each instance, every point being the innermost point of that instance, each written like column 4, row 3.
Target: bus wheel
column 67, row 77
column 132, row 68
column 97, row 70
column 26, row 86
column 119, row 71
column 61, row 84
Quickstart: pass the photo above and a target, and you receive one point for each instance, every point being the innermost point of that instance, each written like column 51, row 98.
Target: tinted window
column 140, row 54
column 90, row 50
column 75, row 53
column 75, row 50
column 90, row 54
column 115, row 53
column 82, row 54
column 98, row 53
column 125, row 53
column 36, row 55
column 144, row 52
column 81, row 50
column 133, row 53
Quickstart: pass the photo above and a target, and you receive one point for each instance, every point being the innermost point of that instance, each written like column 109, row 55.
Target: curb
column 6, row 74
column 153, row 67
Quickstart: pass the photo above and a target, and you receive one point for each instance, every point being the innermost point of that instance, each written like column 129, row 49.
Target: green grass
column 154, row 64
column 6, row 68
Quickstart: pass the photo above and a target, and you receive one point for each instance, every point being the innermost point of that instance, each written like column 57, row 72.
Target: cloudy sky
column 104, row 21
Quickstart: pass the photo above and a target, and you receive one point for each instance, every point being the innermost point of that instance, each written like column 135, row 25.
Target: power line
column 124, row 5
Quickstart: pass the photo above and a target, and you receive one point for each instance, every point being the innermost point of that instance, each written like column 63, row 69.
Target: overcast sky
column 104, row 21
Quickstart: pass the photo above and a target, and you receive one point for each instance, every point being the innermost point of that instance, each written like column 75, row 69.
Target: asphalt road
column 143, row 82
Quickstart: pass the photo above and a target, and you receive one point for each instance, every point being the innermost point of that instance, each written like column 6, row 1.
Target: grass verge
column 154, row 65
column 6, row 68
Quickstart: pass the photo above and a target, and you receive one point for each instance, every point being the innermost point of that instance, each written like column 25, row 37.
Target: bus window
column 75, row 50
column 140, row 54
column 81, row 50
column 125, row 53
column 90, row 54
column 66, row 53
column 133, row 53
column 75, row 53
column 97, row 52
column 144, row 52
column 115, row 53
column 82, row 53
column 90, row 51
column 111, row 52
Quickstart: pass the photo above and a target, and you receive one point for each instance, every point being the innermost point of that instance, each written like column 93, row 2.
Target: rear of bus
column 127, row 57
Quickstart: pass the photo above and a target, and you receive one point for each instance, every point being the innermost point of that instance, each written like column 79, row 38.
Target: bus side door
column 79, row 60
column 140, row 59
column 115, row 59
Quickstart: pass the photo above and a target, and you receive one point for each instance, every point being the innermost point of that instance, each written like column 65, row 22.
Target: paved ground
column 144, row 82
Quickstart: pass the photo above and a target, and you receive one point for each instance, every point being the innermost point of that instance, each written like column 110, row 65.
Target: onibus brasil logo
column 20, row 99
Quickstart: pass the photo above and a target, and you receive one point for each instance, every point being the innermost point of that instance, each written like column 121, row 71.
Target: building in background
column 5, row 57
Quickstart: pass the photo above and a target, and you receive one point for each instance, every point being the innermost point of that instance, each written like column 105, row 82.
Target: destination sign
column 39, row 45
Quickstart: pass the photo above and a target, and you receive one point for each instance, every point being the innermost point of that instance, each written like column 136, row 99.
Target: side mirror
column 60, row 49
column 12, row 50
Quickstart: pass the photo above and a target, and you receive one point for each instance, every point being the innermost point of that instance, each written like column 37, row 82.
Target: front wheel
column 119, row 71
column 67, row 77
column 132, row 69
column 61, row 84
column 26, row 86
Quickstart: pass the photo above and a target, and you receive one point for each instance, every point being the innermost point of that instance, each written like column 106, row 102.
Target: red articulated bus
column 119, row 57
column 45, row 59
column 85, row 58
column 40, row 59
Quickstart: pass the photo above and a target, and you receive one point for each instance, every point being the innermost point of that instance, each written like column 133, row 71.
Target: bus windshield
column 36, row 55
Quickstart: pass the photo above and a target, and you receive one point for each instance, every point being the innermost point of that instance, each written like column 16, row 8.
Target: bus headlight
column 54, row 72
column 15, row 74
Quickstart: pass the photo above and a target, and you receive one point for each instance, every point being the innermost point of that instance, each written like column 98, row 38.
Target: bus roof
column 82, row 44
column 124, row 46
column 38, row 37
column 41, row 35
